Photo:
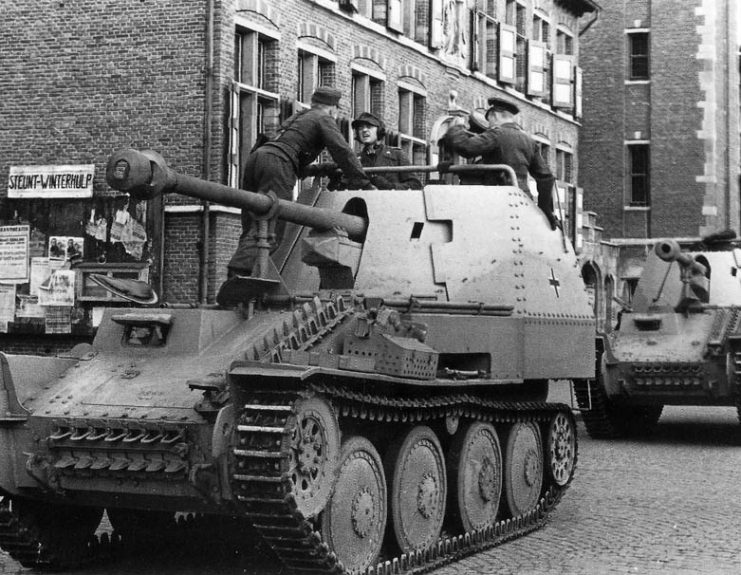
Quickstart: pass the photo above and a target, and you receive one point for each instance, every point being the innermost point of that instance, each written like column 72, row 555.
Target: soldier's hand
column 555, row 224
column 382, row 183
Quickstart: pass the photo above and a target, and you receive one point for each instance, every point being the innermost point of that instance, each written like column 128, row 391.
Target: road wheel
column 523, row 468
column 418, row 489
column 475, row 476
column 354, row 521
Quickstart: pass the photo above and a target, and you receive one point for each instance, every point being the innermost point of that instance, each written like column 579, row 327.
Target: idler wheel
column 418, row 488
column 315, row 449
column 561, row 446
column 475, row 475
column 354, row 521
column 523, row 468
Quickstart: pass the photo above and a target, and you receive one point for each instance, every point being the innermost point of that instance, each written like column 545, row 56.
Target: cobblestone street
column 668, row 504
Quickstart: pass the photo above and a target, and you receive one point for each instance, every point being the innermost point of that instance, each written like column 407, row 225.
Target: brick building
column 198, row 80
column 660, row 135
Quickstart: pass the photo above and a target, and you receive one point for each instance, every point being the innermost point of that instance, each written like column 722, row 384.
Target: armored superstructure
column 678, row 344
column 379, row 378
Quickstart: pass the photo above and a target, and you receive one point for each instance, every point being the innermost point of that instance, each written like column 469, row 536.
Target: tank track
column 264, row 491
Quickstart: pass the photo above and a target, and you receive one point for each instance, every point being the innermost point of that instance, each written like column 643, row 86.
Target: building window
column 564, row 166
column 486, row 37
column 255, row 105
column 564, row 43
column 640, row 165
column 367, row 94
column 413, row 125
column 541, row 31
column 638, row 54
column 313, row 71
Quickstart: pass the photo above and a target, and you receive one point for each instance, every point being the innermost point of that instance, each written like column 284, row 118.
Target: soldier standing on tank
column 505, row 142
column 276, row 165
column 370, row 131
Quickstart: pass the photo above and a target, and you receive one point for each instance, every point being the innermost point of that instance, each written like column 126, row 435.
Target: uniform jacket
column 304, row 135
column 507, row 144
column 381, row 155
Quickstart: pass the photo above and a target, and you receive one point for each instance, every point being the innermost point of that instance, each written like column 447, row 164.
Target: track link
column 263, row 487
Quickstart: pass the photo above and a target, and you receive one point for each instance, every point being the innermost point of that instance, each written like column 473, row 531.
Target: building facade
column 198, row 81
column 660, row 136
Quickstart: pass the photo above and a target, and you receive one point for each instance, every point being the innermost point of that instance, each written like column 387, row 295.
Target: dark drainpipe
column 205, row 223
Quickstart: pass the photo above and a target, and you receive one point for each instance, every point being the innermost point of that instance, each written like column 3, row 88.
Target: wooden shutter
column 436, row 30
column 394, row 19
column 507, row 59
column 578, row 93
column 563, row 80
column 234, row 136
column 536, row 68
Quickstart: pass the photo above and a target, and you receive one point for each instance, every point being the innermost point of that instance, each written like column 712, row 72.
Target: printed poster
column 14, row 253
column 66, row 247
column 60, row 290
column 7, row 306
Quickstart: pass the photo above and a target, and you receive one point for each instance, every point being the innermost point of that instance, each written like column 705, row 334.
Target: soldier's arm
column 467, row 144
column 342, row 153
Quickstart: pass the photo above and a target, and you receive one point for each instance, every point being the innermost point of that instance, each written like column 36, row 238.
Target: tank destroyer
column 679, row 343
column 371, row 398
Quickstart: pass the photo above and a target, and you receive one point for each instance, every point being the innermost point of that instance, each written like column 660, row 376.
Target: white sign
column 51, row 181
column 14, row 253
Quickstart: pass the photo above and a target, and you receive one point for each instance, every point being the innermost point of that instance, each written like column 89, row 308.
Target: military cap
column 326, row 95
column 477, row 122
column 367, row 118
column 499, row 105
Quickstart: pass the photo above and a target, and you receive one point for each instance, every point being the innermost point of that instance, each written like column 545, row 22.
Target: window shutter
column 507, row 63
column 234, row 136
column 536, row 68
column 577, row 93
column 436, row 30
column 394, row 21
column 477, row 22
column 563, row 79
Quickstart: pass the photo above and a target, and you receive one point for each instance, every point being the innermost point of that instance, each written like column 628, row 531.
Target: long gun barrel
column 145, row 175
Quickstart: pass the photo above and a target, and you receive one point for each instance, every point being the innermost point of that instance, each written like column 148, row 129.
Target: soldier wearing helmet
column 369, row 131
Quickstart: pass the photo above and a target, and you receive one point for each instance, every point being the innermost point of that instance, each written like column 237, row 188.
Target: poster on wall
column 14, row 253
column 66, row 247
column 41, row 270
column 60, row 290
column 7, row 306
column 51, row 182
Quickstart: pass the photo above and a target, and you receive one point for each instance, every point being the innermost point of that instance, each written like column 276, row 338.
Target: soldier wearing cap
column 505, row 142
column 369, row 131
column 276, row 165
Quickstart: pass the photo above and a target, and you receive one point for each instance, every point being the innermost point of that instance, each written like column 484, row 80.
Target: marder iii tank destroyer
column 679, row 344
column 375, row 402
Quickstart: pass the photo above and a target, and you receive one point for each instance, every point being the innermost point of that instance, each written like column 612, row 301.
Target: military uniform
column 275, row 165
column 507, row 144
column 381, row 155
column 377, row 154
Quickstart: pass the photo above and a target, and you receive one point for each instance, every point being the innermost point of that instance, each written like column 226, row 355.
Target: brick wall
column 683, row 111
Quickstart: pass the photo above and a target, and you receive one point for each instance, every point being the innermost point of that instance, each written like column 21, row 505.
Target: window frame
column 412, row 105
column 635, row 59
column 251, row 93
column 316, row 77
column 644, row 176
